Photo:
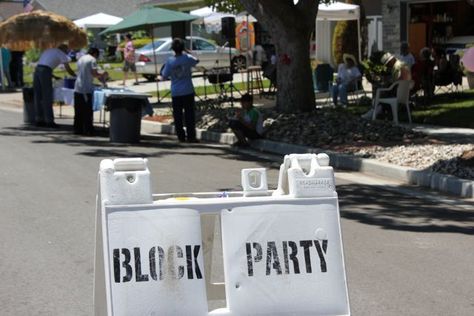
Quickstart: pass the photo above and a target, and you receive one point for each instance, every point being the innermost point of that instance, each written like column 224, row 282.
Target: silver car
column 209, row 54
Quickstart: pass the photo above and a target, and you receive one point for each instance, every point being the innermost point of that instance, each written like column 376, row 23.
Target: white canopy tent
column 212, row 19
column 99, row 20
column 336, row 11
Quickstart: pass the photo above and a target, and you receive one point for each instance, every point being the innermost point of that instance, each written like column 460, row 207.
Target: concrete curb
column 436, row 181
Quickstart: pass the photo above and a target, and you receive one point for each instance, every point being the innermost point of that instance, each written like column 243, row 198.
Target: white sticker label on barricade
column 156, row 262
column 284, row 259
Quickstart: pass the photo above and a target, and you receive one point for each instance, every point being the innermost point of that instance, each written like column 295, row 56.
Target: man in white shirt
column 43, row 83
column 84, row 90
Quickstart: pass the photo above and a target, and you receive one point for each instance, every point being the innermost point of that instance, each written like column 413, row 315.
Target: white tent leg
column 359, row 40
column 316, row 40
column 2, row 74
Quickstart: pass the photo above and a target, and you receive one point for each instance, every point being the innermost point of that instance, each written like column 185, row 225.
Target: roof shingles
column 74, row 9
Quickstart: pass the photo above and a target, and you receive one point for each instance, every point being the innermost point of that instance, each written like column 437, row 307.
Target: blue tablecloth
column 100, row 97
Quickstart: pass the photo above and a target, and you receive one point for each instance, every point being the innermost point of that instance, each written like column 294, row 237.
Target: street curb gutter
column 436, row 181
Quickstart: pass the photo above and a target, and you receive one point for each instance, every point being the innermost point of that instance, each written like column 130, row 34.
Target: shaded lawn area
column 448, row 109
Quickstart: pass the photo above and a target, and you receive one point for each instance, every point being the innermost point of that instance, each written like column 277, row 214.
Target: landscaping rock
column 340, row 131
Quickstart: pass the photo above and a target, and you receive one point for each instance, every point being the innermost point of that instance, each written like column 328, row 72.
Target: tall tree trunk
column 295, row 82
column 290, row 27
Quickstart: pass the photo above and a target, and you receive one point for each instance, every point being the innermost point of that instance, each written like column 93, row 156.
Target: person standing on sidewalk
column 178, row 67
column 6, row 60
column 43, row 83
column 16, row 69
column 83, row 91
column 129, row 59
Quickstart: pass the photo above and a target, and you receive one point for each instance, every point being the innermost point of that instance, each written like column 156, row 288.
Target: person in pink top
column 129, row 59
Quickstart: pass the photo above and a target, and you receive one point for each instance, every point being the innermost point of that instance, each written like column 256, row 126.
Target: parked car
column 209, row 54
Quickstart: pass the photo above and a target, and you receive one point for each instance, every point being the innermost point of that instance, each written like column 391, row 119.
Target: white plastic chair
column 403, row 95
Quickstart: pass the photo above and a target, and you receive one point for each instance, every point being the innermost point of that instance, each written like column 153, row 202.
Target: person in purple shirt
column 179, row 68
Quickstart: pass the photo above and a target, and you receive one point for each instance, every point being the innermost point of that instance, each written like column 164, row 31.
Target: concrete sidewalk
column 435, row 181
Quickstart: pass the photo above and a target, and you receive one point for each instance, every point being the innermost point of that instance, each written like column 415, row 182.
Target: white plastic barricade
column 282, row 250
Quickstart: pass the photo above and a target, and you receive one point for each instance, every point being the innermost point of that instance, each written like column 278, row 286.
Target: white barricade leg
column 151, row 258
column 306, row 175
column 212, row 260
column 120, row 181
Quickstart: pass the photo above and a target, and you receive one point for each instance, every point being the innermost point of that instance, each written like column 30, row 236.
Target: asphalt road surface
column 406, row 253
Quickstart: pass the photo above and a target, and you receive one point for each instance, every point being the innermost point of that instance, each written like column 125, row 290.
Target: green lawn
column 214, row 89
column 451, row 109
column 114, row 70
column 116, row 73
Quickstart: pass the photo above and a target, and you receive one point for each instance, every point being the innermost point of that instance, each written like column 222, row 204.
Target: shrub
column 32, row 55
column 137, row 43
column 345, row 38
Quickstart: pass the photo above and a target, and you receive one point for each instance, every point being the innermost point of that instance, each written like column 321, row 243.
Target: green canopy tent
column 146, row 18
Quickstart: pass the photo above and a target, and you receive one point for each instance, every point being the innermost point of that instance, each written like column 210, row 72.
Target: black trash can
column 125, row 118
column 29, row 112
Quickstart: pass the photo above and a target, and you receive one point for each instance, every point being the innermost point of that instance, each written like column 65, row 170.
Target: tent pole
column 249, row 53
column 2, row 74
column 358, row 39
column 154, row 62
column 316, row 39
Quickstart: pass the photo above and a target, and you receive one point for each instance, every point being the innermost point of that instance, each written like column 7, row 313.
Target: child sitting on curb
column 247, row 123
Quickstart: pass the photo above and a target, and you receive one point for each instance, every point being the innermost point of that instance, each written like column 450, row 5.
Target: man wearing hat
column 347, row 76
column 398, row 69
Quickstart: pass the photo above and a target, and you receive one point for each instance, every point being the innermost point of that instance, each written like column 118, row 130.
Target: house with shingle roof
column 73, row 9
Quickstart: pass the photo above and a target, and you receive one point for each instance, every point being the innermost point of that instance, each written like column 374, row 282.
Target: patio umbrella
column 41, row 30
column 146, row 18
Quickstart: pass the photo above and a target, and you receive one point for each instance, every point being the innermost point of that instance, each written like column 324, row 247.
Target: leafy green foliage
column 374, row 70
column 232, row 6
column 345, row 38
column 32, row 55
column 137, row 43
column 339, row 41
